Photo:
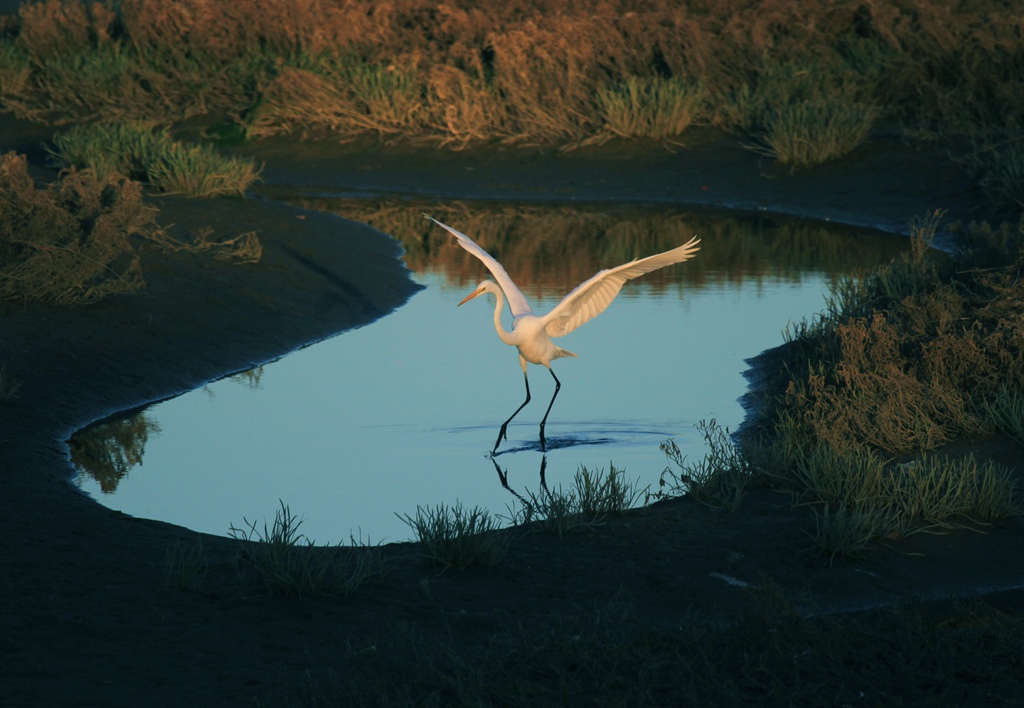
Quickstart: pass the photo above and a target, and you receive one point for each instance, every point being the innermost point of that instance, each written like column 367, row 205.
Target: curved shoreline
column 79, row 575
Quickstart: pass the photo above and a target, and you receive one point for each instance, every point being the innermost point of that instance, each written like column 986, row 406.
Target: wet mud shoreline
column 86, row 617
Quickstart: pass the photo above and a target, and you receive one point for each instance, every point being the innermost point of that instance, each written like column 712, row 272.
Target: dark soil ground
column 86, row 615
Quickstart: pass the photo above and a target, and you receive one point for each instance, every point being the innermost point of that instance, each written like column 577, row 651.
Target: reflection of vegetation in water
column 547, row 247
column 107, row 452
column 251, row 379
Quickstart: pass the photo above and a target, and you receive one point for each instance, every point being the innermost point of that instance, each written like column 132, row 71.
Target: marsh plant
column 816, row 131
column 720, row 478
column 1005, row 412
column 803, row 114
column 587, row 502
column 850, row 530
column 913, row 354
column 286, row 562
column 68, row 241
column 999, row 169
column 71, row 241
column 458, row 537
column 143, row 152
column 940, row 491
column 861, row 496
column 650, row 108
column 506, row 71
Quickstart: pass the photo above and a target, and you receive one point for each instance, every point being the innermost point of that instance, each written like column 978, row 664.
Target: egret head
column 485, row 286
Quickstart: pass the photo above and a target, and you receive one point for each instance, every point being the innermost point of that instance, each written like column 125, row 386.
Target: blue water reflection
column 403, row 412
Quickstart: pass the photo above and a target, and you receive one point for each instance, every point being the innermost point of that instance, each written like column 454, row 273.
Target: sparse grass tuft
column 457, row 537
column 718, row 479
column 823, row 475
column 849, row 530
column 185, row 564
column 804, row 113
column 591, row 498
column 285, row 562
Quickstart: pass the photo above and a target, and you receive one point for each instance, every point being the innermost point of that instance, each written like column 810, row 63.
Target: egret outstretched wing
column 530, row 334
column 516, row 302
column 592, row 297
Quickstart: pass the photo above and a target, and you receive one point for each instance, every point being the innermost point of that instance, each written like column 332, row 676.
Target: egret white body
column 531, row 334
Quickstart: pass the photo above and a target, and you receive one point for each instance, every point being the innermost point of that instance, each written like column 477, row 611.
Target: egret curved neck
column 499, row 306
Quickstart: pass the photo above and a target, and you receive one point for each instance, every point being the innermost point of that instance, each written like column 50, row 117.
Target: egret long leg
column 502, row 433
column 558, row 386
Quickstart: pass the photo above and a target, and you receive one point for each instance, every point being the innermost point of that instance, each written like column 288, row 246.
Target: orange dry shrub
column 461, row 108
column 881, row 396
column 523, row 68
column 298, row 99
column 68, row 243
column 224, row 30
column 917, row 373
column 52, row 28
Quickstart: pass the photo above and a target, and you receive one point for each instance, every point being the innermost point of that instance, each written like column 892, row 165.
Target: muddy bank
column 882, row 185
column 86, row 617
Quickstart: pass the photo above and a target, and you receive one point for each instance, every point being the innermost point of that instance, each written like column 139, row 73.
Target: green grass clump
column 813, row 132
column 286, row 562
column 140, row 152
column 850, row 530
column 650, row 108
column 804, row 114
column 938, row 491
column 457, row 537
column 859, row 496
column 15, row 70
column 719, row 478
column 1001, row 174
column 1005, row 412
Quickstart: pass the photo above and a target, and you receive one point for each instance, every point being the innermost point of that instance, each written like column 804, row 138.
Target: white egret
column 531, row 334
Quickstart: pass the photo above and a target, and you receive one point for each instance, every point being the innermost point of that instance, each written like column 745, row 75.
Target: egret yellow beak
column 478, row 291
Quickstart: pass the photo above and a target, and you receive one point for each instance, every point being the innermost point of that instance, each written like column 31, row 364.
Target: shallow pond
column 403, row 412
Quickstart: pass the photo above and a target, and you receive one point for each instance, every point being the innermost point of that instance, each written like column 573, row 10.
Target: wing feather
column 516, row 302
column 593, row 297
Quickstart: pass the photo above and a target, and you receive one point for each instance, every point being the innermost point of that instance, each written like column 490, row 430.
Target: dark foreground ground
column 86, row 615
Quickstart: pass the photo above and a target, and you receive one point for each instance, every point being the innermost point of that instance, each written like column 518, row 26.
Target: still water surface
column 403, row 412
